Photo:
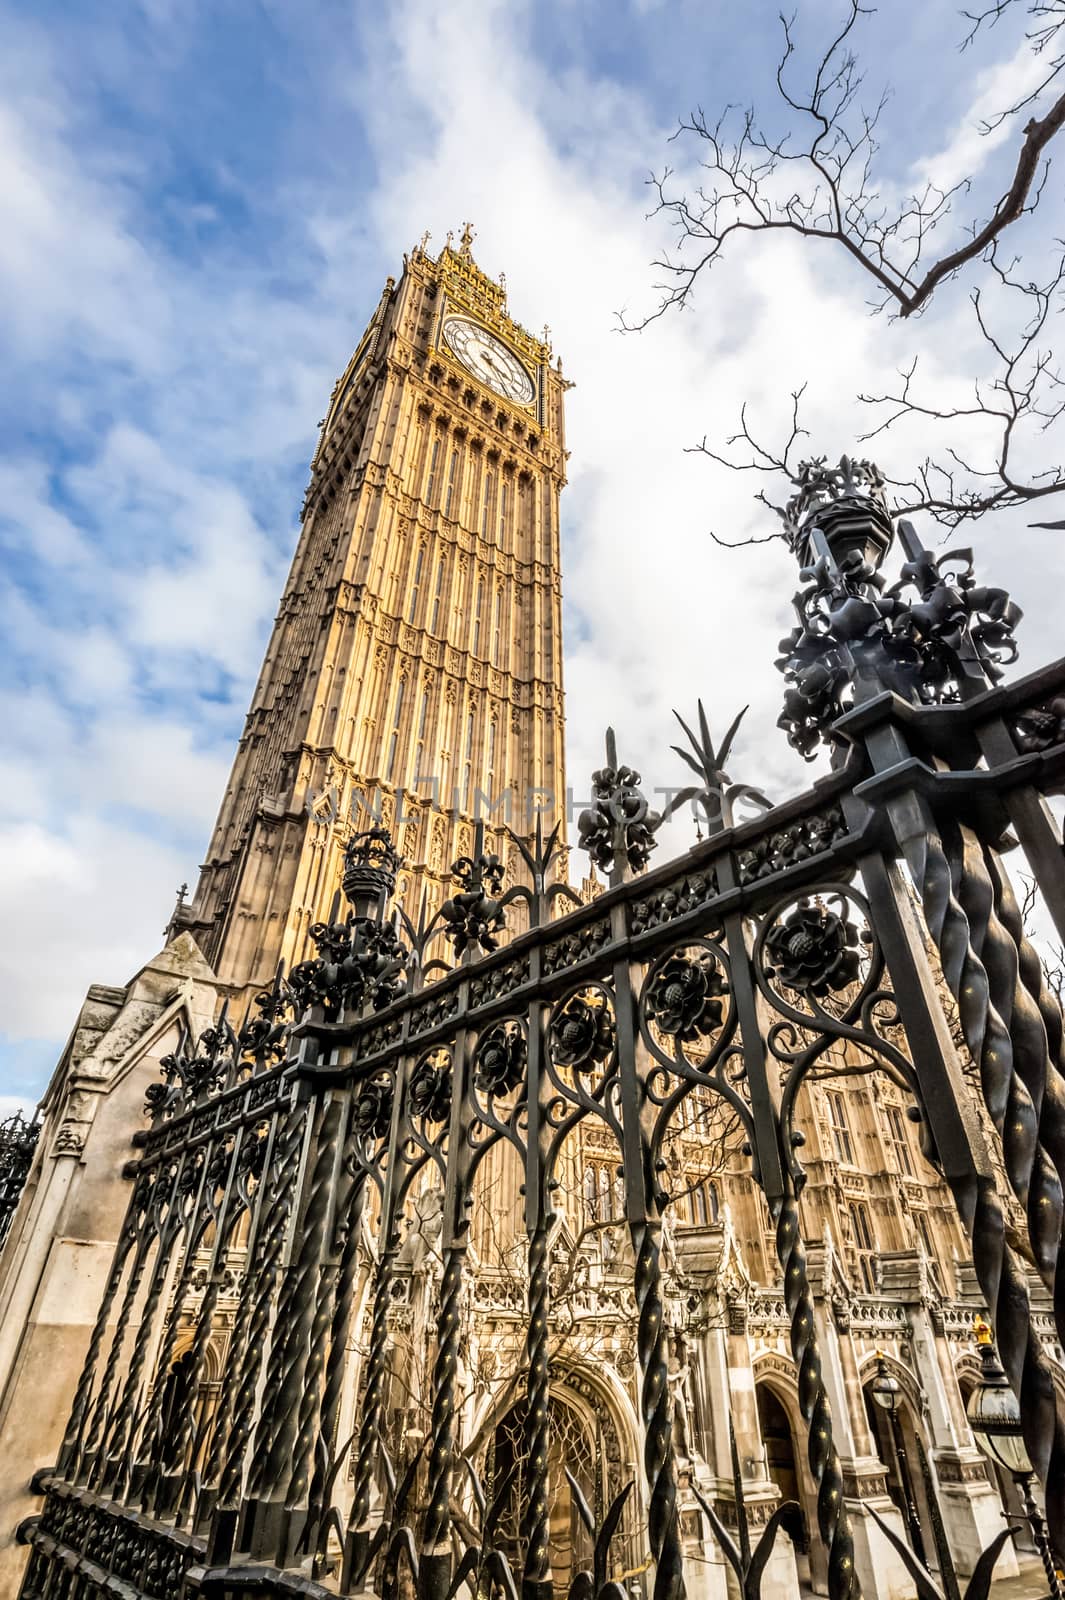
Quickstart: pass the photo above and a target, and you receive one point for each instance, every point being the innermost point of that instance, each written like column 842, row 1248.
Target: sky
column 201, row 203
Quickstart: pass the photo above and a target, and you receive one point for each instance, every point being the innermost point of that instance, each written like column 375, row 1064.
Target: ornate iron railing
column 733, row 971
column 18, row 1142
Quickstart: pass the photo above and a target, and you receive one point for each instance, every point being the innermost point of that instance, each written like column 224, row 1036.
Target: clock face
column 489, row 360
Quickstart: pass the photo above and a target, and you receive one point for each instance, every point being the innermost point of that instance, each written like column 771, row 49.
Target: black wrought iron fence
column 18, row 1142
column 846, row 914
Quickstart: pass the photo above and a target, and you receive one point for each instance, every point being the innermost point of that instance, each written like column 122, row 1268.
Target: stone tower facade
column 414, row 672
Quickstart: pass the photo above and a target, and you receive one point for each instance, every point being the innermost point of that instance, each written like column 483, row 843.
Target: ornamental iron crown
column 371, row 863
column 846, row 504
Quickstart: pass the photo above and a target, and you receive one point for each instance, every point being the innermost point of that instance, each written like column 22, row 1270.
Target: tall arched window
column 416, row 586
column 896, row 1128
column 504, row 509
column 451, row 478
column 495, row 626
column 478, row 610
column 420, row 750
column 434, row 622
column 467, row 775
column 863, row 1239
column 433, row 462
column 394, row 741
column 841, row 1133
column 486, row 504
column 490, row 775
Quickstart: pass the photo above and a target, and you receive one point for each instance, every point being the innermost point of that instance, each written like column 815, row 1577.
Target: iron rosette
column 581, row 1063
column 498, row 1092
column 151, row 1203
column 819, row 964
column 689, row 1025
column 370, row 1141
column 425, row 1117
column 220, row 1162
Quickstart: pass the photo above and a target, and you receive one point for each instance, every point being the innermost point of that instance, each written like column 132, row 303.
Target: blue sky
column 201, row 203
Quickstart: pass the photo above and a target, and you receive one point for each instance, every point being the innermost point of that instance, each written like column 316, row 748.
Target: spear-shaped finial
column 717, row 795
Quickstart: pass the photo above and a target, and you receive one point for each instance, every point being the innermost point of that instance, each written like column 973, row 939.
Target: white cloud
column 982, row 130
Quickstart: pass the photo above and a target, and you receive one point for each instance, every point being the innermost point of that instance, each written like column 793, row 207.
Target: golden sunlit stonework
column 414, row 677
column 414, row 673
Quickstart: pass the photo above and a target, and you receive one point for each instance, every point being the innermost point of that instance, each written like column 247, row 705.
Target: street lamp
column 995, row 1417
column 885, row 1391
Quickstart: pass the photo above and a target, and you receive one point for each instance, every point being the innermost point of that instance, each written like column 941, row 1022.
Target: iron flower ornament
column 474, row 915
column 500, row 1061
column 582, row 1033
column 429, row 1094
column 373, row 1109
column 1041, row 727
column 813, row 951
column 686, row 997
column 618, row 829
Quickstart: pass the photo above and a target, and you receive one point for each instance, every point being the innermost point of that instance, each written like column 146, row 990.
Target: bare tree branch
column 824, row 187
column 818, row 180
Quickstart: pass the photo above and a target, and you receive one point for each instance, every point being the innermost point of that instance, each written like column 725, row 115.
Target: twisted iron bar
column 308, row 1422
column 442, row 1449
column 535, row 1521
column 373, row 1392
column 70, row 1450
column 286, row 1168
column 1033, row 976
column 147, row 1450
column 275, row 1431
column 336, row 1363
column 832, row 1518
column 238, row 1344
column 120, row 1430
column 306, row 1311
column 1013, row 1079
column 657, row 1411
column 1001, row 1276
column 98, row 1424
column 183, row 1444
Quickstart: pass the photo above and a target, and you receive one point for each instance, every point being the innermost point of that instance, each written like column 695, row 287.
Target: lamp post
column 995, row 1418
column 885, row 1391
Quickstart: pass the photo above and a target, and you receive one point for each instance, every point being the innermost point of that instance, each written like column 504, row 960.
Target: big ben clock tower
column 414, row 672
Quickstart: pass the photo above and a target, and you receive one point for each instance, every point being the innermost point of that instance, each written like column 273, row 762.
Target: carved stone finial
column 466, row 241
column 172, row 927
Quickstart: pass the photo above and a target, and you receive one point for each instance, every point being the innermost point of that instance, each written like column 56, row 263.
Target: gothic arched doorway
column 901, row 1449
column 783, row 1465
column 586, row 1449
